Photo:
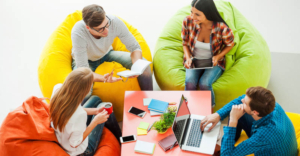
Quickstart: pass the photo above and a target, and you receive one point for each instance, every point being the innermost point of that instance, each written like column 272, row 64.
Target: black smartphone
column 137, row 112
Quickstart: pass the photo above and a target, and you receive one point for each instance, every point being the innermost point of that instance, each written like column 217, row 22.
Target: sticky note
column 141, row 131
column 143, row 125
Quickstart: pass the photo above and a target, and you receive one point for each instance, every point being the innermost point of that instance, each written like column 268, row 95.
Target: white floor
column 26, row 25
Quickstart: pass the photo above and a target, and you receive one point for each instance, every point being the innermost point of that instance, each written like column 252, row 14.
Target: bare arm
column 187, row 52
column 106, row 78
column 91, row 111
column 98, row 77
column 187, row 55
column 135, row 55
column 89, row 129
column 98, row 119
column 216, row 58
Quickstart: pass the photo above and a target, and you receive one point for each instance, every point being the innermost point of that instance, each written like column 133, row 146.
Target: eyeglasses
column 103, row 28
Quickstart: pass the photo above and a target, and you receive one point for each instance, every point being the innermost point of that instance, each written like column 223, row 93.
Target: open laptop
column 202, row 63
column 186, row 127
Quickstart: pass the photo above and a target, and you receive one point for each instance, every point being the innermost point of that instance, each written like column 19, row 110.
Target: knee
column 204, row 84
column 147, row 71
column 95, row 98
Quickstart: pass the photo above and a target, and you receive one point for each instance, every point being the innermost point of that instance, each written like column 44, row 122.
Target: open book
column 136, row 69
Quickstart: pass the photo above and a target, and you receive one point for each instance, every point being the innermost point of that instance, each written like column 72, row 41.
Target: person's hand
column 109, row 78
column 215, row 60
column 188, row 63
column 101, row 117
column 236, row 113
column 213, row 118
column 99, row 110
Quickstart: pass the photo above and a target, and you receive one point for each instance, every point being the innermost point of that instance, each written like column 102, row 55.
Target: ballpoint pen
column 150, row 127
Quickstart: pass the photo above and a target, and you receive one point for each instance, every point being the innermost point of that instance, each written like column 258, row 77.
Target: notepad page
column 140, row 65
column 127, row 73
column 144, row 147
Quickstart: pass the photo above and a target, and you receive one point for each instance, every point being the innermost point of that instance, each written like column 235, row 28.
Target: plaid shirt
column 221, row 36
column 273, row 135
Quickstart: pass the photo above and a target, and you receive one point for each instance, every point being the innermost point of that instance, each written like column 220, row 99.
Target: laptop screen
column 180, row 121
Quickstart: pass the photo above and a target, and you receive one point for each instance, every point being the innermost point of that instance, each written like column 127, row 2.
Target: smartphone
column 137, row 112
column 128, row 138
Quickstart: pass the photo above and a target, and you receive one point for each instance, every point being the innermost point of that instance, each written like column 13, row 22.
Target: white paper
column 144, row 147
column 140, row 65
column 127, row 73
column 147, row 101
column 137, row 68
column 153, row 113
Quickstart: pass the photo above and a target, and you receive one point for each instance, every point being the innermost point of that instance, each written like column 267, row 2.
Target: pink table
column 199, row 102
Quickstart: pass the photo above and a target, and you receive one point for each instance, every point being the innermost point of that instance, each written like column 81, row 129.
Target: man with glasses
column 92, row 38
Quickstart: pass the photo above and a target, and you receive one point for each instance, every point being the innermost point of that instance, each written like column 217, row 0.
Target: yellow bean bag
column 55, row 64
column 295, row 118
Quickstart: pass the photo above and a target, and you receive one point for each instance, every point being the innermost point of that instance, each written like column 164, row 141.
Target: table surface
column 199, row 102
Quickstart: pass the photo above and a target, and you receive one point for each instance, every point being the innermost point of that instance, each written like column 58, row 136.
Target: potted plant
column 166, row 120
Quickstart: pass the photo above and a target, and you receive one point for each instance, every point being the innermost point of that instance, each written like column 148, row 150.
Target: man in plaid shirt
column 269, row 129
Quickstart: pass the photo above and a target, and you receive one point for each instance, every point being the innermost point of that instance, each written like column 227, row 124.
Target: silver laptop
column 186, row 127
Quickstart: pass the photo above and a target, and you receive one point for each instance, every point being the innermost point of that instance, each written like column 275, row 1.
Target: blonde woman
column 78, row 128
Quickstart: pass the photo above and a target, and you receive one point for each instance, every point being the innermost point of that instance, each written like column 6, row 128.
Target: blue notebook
column 158, row 106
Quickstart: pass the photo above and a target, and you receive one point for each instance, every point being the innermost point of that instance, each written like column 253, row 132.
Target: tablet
column 202, row 64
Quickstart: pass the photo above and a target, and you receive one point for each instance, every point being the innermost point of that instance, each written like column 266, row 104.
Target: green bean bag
column 247, row 64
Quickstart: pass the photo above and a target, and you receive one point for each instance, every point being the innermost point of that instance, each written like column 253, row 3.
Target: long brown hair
column 66, row 100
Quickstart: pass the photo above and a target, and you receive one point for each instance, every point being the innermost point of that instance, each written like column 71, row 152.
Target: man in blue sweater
column 269, row 129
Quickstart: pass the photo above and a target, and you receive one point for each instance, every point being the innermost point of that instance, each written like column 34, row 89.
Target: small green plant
column 166, row 120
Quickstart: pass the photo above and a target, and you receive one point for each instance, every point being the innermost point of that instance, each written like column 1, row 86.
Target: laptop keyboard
column 195, row 135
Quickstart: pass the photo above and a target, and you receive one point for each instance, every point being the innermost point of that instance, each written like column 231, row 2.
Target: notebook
column 167, row 142
column 137, row 68
column 141, row 131
column 144, row 147
column 158, row 106
column 143, row 125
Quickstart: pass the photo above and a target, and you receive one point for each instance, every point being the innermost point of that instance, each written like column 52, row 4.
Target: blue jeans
column 202, row 78
column 145, row 80
column 245, row 123
column 95, row 136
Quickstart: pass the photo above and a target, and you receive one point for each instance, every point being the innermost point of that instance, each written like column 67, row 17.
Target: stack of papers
column 144, row 147
column 142, row 129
